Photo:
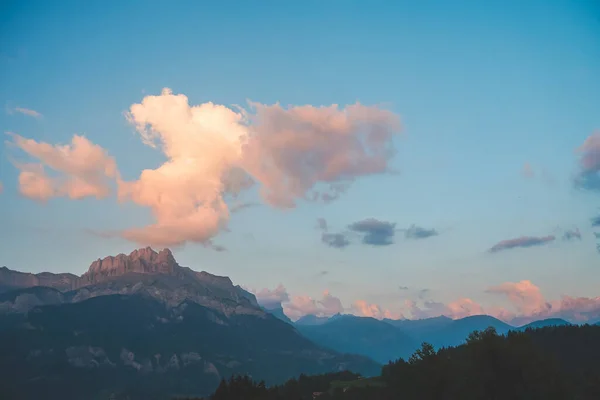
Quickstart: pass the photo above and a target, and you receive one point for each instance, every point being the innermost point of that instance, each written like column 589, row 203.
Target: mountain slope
column 443, row 331
column 419, row 327
column 544, row 323
column 311, row 319
column 111, row 344
column 278, row 313
column 365, row 336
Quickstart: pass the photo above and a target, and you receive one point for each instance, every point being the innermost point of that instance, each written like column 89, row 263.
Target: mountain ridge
column 142, row 271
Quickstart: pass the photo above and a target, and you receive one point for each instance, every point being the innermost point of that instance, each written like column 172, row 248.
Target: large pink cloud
column 202, row 144
column 289, row 152
column 214, row 152
column 79, row 169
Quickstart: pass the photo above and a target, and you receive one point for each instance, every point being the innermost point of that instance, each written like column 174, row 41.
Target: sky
column 387, row 158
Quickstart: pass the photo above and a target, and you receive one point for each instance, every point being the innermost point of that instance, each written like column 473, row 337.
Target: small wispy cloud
column 572, row 234
column 527, row 171
column 521, row 242
column 416, row 232
column 242, row 206
column 374, row 231
column 595, row 221
column 25, row 111
column 403, row 287
column 216, row 247
column 336, row 240
column 322, row 224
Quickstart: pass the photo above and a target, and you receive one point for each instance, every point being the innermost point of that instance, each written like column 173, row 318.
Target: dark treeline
column 545, row 364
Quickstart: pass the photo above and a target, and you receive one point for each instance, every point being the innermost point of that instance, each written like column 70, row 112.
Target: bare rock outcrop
column 141, row 261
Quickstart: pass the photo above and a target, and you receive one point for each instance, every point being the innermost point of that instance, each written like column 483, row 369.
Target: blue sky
column 481, row 89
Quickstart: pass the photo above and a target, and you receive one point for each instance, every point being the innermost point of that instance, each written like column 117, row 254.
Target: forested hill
column 552, row 363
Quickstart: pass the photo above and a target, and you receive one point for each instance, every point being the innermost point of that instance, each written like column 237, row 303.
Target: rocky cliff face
column 10, row 279
column 141, row 261
column 144, row 271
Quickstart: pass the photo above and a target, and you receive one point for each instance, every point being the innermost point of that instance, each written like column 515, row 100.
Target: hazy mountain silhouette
column 360, row 335
column 544, row 323
column 278, row 313
column 311, row 319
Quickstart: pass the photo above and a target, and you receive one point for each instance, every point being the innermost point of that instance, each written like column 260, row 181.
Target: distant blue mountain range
column 388, row 339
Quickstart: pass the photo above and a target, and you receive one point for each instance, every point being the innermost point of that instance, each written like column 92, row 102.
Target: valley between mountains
column 140, row 326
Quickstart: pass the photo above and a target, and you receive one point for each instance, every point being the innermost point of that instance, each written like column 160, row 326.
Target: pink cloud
column 364, row 309
column 523, row 241
column 290, row 151
column 578, row 309
column 272, row 298
column 530, row 304
column 302, row 305
column 464, row 307
column 81, row 169
column 527, row 171
column 524, row 295
column 590, row 153
column 35, row 184
column 331, row 304
column 1, row 187
column 287, row 151
column 186, row 194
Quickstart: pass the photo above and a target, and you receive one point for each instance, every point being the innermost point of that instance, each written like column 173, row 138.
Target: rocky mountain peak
column 141, row 261
column 144, row 271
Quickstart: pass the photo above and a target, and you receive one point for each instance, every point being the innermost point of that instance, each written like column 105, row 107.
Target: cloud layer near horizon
column 212, row 152
column 296, row 307
column 526, row 300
